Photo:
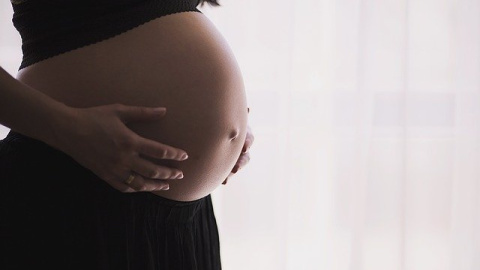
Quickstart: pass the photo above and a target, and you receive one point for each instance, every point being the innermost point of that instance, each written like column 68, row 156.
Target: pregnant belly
column 180, row 62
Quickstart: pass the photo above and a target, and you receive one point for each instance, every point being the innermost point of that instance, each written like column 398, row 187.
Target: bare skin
column 103, row 143
column 180, row 62
column 244, row 156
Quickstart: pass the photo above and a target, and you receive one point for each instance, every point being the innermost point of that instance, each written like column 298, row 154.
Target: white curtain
column 366, row 116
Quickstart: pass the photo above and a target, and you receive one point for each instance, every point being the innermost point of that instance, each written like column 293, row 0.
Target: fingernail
column 167, row 187
column 159, row 109
column 180, row 176
column 184, row 156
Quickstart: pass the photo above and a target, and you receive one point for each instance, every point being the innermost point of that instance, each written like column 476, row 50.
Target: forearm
column 29, row 111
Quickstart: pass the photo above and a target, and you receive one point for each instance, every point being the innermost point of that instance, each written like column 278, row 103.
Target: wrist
column 61, row 121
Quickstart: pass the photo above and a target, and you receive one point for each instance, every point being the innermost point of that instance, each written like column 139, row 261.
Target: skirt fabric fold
column 59, row 215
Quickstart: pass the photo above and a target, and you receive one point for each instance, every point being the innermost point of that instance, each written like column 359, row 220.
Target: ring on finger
column 130, row 179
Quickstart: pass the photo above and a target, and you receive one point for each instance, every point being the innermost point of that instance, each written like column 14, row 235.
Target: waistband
column 21, row 141
column 181, row 210
column 14, row 136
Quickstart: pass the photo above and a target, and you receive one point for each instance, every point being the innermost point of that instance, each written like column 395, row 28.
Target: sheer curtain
column 366, row 116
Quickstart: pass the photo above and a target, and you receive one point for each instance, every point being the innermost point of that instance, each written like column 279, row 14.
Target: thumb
column 134, row 113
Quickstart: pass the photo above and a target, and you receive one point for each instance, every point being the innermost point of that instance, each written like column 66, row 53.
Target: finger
column 150, row 170
column 239, row 163
column 128, row 189
column 226, row 179
column 142, row 184
column 242, row 161
column 122, row 187
column 160, row 151
column 246, row 146
column 248, row 140
column 135, row 113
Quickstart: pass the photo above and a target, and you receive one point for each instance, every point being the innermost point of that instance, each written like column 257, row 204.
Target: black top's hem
column 97, row 29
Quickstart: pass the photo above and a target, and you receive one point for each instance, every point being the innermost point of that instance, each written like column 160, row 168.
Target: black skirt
column 56, row 214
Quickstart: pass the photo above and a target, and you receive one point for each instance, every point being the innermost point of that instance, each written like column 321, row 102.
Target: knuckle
column 153, row 174
column 126, row 142
column 163, row 153
column 118, row 107
column 150, row 187
column 166, row 153
column 136, row 187
column 161, row 175
column 142, row 187
column 168, row 174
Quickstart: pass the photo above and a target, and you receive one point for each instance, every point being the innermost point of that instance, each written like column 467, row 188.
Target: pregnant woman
column 89, row 70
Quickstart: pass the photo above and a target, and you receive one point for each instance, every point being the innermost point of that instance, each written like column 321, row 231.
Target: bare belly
column 180, row 62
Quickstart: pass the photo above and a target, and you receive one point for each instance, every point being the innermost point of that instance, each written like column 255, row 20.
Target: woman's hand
column 99, row 140
column 244, row 156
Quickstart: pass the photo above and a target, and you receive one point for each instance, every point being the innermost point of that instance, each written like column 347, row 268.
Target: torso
column 180, row 62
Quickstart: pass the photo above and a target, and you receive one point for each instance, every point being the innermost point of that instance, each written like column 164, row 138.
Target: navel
column 234, row 134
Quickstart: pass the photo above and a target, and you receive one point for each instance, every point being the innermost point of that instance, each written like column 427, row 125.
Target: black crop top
column 52, row 27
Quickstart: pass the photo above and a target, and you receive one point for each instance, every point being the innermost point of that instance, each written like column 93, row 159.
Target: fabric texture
column 56, row 214
column 52, row 27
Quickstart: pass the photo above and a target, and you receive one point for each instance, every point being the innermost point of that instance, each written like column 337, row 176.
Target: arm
column 28, row 111
column 113, row 149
